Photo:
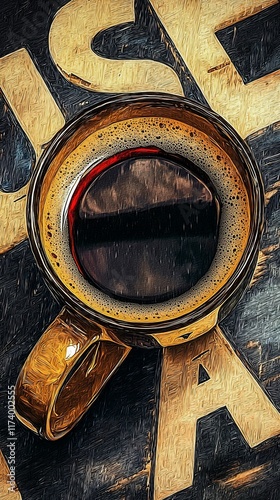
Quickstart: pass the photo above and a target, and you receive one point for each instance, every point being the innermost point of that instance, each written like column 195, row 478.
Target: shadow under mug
column 142, row 178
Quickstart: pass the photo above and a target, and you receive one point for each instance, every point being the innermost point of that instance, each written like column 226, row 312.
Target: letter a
column 185, row 398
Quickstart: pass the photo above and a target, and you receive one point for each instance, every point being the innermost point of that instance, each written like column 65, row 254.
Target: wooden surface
column 110, row 454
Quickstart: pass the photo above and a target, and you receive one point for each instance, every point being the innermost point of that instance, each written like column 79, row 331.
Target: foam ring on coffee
column 176, row 138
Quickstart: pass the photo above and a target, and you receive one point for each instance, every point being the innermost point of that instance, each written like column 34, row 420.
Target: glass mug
column 145, row 216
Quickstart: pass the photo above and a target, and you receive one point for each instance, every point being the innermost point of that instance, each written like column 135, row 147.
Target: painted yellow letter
column 70, row 38
column 40, row 118
column 183, row 401
column 191, row 24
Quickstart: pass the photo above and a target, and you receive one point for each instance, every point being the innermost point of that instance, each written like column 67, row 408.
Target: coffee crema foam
column 174, row 137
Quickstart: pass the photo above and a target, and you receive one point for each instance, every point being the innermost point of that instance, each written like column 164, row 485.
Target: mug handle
column 64, row 374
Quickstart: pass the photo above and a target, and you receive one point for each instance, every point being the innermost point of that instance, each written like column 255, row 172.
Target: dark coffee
column 143, row 225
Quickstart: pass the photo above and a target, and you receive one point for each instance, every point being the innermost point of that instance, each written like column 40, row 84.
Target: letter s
column 70, row 39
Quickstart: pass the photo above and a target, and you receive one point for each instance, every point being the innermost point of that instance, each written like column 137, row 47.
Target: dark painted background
column 104, row 456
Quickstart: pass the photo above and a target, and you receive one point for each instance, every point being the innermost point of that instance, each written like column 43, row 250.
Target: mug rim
column 256, row 223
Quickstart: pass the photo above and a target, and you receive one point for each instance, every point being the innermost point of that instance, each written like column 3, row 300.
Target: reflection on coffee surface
column 146, row 228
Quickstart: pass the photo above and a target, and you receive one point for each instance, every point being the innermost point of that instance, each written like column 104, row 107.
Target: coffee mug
column 144, row 215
